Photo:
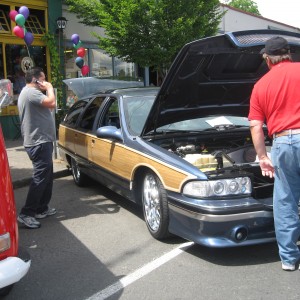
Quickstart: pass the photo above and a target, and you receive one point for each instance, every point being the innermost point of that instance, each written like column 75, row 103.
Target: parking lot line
column 139, row 273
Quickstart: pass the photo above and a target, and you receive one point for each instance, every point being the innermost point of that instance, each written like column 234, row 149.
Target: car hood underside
column 214, row 75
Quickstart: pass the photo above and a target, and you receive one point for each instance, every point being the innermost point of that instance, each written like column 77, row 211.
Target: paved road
column 98, row 247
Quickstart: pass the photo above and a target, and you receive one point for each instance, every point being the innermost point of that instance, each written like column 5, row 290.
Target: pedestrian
column 275, row 100
column 38, row 131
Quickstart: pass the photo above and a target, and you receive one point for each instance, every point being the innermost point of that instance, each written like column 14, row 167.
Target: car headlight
column 218, row 188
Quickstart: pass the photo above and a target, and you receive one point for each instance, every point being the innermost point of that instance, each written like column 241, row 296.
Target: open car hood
column 214, row 76
column 87, row 86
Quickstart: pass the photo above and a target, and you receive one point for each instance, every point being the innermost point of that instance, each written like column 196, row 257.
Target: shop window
column 123, row 70
column 35, row 22
column 101, row 63
column 33, row 25
column 4, row 24
column 1, row 63
column 19, row 59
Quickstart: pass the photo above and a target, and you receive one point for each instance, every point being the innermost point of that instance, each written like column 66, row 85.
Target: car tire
column 155, row 206
column 79, row 178
column 5, row 291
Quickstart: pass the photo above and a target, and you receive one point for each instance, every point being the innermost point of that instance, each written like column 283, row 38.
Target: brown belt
column 286, row 132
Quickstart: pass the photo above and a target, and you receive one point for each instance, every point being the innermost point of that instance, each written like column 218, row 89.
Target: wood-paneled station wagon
column 184, row 151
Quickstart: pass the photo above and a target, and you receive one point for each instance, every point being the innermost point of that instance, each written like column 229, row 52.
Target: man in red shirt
column 275, row 100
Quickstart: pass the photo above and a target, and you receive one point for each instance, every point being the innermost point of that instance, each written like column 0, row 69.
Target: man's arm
column 49, row 101
column 258, row 139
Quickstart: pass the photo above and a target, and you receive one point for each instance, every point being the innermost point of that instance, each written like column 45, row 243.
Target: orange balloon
column 81, row 52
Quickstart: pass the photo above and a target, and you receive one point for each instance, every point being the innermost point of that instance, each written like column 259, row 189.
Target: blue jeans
column 40, row 189
column 286, row 160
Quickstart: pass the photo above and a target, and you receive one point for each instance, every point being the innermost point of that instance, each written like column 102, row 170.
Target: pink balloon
column 19, row 31
column 12, row 14
column 28, row 38
column 81, row 52
column 84, row 70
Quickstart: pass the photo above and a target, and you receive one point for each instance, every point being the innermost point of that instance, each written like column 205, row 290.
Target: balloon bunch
column 20, row 18
column 77, row 44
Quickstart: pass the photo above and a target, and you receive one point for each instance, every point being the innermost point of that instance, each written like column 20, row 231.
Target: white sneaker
column 46, row 213
column 288, row 267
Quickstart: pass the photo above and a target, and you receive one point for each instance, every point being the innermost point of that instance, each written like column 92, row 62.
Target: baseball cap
column 276, row 46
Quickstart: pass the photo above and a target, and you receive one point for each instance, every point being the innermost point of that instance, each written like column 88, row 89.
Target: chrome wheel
column 155, row 206
column 151, row 202
column 79, row 178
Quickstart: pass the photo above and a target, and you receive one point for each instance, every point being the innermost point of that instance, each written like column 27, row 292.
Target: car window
column 74, row 112
column 111, row 117
column 88, row 118
column 136, row 112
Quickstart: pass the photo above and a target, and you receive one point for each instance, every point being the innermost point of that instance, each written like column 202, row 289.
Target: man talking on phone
column 38, row 132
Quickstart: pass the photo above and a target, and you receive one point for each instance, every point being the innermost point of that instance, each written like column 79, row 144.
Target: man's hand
column 266, row 166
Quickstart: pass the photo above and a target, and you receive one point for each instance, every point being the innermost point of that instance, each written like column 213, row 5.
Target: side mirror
column 110, row 132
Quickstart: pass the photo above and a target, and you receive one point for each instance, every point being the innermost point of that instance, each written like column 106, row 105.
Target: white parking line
column 139, row 273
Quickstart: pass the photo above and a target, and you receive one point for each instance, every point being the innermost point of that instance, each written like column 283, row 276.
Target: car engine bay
column 221, row 156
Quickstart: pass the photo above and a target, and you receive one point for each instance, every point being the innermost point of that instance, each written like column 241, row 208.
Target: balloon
column 28, row 38
column 79, row 62
column 20, row 19
column 84, row 70
column 19, row 31
column 12, row 14
column 81, row 52
column 24, row 11
column 75, row 38
column 78, row 45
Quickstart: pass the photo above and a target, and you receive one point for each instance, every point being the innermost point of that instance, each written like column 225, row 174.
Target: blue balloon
column 79, row 62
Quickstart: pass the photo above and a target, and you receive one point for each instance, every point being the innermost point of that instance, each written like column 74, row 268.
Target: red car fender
column 8, row 219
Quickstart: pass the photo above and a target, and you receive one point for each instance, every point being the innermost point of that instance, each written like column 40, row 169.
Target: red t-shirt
column 275, row 98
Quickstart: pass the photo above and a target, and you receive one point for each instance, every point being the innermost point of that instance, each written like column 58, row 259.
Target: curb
column 26, row 181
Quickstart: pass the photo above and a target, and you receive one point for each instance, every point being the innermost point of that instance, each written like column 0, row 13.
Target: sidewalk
column 21, row 166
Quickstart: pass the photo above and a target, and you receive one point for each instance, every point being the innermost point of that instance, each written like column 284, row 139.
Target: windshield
column 136, row 111
column 214, row 123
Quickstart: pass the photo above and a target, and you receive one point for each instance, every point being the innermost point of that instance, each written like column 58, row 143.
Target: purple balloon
column 79, row 62
column 75, row 38
column 24, row 11
column 28, row 38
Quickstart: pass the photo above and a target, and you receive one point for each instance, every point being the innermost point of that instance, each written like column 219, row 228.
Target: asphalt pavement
column 21, row 166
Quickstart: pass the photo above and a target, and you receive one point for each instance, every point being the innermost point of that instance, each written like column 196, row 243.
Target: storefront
column 16, row 57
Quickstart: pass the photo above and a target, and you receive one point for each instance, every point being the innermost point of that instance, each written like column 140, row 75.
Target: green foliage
column 55, row 65
column 56, row 75
column 245, row 5
column 148, row 32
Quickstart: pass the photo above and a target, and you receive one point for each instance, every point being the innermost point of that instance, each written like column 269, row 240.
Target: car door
column 108, row 154
column 84, row 135
column 67, row 130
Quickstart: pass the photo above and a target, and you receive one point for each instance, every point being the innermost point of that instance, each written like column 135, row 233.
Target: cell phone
column 36, row 81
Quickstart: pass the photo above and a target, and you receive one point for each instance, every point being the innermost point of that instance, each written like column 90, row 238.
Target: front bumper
column 12, row 269
column 221, row 225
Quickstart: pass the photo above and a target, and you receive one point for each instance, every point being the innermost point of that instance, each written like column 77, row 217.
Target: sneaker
column 46, row 213
column 28, row 221
column 288, row 267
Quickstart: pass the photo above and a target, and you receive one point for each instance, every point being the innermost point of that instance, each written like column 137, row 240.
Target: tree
column 246, row 5
column 148, row 32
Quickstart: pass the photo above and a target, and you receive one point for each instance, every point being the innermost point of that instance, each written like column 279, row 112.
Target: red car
column 13, row 264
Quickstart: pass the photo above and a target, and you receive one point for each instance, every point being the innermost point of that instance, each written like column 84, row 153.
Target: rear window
column 73, row 113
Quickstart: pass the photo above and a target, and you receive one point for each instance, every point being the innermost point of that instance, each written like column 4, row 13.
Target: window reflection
column 101, row 64
column 123, row 69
